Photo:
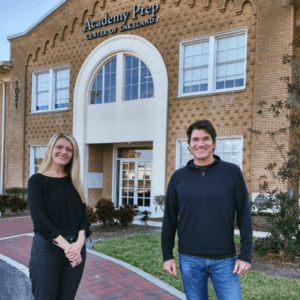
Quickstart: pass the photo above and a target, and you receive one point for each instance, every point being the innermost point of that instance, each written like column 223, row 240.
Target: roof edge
column 10, row 37
column 5, row 63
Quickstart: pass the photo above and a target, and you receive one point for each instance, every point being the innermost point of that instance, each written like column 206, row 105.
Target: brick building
column 128, row 77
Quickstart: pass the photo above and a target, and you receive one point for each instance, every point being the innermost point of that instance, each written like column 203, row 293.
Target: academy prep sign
column 123, row 17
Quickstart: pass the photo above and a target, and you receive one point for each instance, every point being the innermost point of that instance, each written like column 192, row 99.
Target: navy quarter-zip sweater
column 201, row 205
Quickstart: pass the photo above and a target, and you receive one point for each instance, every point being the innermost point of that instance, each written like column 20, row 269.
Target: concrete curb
column 17, row 265
column 143, row 274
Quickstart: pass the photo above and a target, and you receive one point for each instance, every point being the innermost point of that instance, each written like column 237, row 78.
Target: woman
column 56, row 201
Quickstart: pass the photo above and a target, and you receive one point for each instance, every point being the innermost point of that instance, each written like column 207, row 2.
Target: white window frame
column 32, row 165
column 51, row 89
column 212, row 70
column 177, row 160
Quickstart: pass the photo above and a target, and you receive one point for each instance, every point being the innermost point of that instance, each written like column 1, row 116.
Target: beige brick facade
column 59, row 40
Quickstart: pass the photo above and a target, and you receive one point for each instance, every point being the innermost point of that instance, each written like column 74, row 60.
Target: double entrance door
column 135, row 182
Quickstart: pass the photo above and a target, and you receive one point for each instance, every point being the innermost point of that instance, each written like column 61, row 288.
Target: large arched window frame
column 122, row 77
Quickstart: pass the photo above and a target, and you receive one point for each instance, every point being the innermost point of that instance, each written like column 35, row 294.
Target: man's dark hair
column 202, row 124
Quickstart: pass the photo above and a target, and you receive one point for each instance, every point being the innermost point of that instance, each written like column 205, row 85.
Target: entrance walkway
column 103, row 278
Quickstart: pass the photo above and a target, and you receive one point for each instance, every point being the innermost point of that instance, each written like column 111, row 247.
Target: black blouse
column 56, row 207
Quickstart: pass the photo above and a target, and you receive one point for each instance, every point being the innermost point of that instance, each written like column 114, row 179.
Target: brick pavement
column 15, row 226
column 102, row 279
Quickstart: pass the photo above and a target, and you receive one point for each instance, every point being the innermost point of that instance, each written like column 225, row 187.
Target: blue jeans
column 196, row 270
column 51, row 273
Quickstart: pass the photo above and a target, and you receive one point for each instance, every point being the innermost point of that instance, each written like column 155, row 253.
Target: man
column 201, row 201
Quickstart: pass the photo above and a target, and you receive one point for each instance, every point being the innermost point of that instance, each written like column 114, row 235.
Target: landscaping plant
column 16, row 203
column 145, row 218
column 160, row 200
column 93, row 218
column 105, row 211
column 284, row 190
column 16, row 191
column 126, row 214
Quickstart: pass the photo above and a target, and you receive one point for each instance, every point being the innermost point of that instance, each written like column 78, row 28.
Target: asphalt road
column 13, row 283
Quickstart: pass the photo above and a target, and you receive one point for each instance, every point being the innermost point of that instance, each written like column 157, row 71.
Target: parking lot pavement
column 13, row 283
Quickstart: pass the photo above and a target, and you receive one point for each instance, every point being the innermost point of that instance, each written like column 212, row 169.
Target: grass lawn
column 144, row 252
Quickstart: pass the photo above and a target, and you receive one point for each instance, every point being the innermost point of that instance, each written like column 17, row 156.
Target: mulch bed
column 9, row 214
column 273, row 266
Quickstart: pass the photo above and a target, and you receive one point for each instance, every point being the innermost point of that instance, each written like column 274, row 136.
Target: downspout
column 3, row 139
column 25, row 107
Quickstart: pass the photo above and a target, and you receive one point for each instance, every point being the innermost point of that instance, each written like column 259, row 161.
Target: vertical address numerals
column 17, row 94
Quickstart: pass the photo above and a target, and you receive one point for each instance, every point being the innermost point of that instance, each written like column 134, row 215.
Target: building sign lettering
column 17, row 94
column 123, row 17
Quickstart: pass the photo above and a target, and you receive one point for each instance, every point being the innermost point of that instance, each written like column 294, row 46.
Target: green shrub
column 17, row 203
column 160, row 200
column 126, row 213
column 145, row 218
column 105, row 211
column 93, row 218
column 268, row 244
column 16, row 191
column 2, row 204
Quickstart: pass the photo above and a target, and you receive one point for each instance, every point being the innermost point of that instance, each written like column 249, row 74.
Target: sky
column 17, row 16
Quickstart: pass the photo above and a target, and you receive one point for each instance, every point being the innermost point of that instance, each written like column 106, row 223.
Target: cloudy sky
column 17, row 16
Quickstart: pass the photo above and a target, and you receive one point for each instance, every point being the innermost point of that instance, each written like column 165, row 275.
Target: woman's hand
column 73, row 253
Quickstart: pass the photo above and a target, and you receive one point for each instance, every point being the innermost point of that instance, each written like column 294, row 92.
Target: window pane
column 188, row 62
column 38, row 156
column 205, row 47
column 195, row 77
column 231, row 62
column 138, row 79
column 61, row 94
column 196, row 74
column 135, row 91
column 231, row 42
column 241, row 40
column 188, row 50
column 221, row 56
column 221, row 44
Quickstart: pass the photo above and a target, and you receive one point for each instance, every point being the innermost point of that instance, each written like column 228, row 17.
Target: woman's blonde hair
column 72, row 168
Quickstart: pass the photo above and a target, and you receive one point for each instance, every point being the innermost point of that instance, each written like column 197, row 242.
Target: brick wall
column 59, row 40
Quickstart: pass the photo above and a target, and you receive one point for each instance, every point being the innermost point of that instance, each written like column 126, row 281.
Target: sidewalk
column 159, row 224
column 103, row 278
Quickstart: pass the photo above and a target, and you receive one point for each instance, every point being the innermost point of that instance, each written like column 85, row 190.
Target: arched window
column 104, row 87
column 127, row 73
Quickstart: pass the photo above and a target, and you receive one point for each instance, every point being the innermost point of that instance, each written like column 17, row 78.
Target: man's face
column 201, row 146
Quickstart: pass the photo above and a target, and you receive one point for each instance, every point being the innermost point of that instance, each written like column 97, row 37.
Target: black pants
column 51, row 273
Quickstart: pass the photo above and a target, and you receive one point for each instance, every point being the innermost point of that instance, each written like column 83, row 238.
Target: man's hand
column 241, row 267
column 170, row 266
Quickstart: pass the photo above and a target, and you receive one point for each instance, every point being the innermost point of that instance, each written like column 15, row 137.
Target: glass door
column 135, row 183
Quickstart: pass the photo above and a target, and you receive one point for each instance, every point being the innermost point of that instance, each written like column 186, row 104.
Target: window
column 104, row 87
column 138, row 79
column 127, row 69
column 213, row 64
column 50, row 90
column 37, row 155
column 229, row 149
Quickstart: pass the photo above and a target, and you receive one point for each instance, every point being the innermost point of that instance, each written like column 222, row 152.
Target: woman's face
column 62, row 152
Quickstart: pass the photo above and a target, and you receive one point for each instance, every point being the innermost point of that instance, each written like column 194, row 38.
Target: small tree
column 284, row 226
column 2, row 204
column 93, row 218
column 160, row 200
column 126, row 214
column 17, row 203
column 105, row 210
column 145, row 218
